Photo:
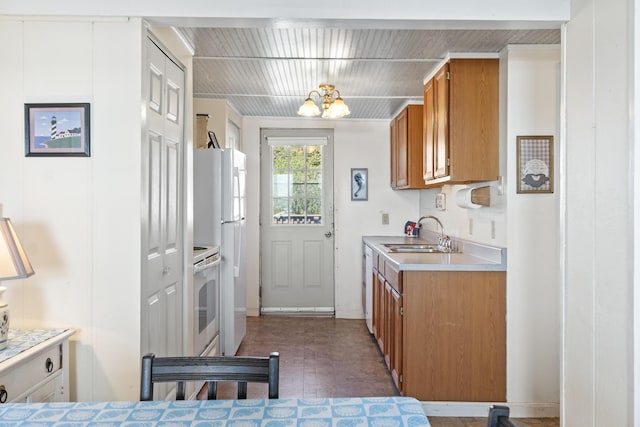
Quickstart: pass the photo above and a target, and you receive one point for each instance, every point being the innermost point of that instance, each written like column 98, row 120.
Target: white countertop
column 471, row 256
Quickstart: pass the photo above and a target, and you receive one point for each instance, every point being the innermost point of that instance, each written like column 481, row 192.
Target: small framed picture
column 57, row 130
column 359, row 184
column 535, row 164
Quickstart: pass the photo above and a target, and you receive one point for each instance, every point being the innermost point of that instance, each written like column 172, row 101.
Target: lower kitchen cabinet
column 455, row 336
column 395, row 336
column 387, row 311
column 443, row 333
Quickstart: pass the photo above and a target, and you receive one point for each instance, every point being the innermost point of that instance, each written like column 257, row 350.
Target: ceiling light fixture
column 333, row 105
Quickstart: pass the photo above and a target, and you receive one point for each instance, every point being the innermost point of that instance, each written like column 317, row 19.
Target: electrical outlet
column 493, row 229
column 441, row 201
column 385, row 219
column 470, row 226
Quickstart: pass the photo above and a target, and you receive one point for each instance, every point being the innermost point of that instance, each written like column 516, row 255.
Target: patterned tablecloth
column 347, row 412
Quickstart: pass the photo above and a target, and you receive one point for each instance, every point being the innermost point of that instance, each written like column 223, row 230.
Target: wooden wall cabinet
column 461, row 120
column 407, row 149
column 442, row 333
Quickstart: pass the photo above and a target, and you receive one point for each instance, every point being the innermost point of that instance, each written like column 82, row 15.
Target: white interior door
column 162, row 145
column 297, row 242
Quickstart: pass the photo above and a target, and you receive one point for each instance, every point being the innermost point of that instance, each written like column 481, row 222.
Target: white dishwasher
column 367, row 282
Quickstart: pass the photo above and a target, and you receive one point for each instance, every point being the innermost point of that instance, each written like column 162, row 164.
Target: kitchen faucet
column 444, row 242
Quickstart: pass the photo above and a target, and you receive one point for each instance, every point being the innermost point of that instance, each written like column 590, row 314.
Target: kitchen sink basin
column 414, row 248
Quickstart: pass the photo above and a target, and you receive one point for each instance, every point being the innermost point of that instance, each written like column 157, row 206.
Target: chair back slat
column 212, row 370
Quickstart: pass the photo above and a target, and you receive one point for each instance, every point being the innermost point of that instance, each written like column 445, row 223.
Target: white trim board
column 481, row 409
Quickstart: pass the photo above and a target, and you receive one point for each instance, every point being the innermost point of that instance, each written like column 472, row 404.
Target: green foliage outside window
column 297, row 183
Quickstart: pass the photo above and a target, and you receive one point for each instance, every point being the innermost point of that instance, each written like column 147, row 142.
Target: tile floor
column 327, row 357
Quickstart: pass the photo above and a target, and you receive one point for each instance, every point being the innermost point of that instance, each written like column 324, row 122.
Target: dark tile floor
column 327, row 357
column 319, row 356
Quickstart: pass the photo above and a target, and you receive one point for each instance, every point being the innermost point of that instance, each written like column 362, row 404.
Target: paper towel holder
column 474, row 198
column 481, row 196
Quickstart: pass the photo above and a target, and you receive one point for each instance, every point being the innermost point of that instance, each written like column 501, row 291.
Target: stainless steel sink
column 414, row 248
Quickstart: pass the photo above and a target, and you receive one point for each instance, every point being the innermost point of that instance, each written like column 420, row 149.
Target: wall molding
column 481, row 409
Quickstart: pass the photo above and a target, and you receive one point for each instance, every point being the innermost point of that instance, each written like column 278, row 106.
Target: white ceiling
column 268, row 71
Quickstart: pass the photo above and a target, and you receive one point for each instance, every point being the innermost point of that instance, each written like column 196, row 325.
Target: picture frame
column 57, row 130
column 535, row 164
column 359, row 184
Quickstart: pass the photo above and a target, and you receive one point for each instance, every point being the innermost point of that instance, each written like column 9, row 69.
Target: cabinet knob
column 49, row 365
column 3, row 394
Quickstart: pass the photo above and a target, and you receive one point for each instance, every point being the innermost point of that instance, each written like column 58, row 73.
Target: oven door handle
column 199, row 267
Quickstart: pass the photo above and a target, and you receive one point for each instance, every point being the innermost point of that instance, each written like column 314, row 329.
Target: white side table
column 35, row 366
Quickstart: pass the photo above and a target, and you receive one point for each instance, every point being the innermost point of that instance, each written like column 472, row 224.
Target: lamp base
column 4, row 320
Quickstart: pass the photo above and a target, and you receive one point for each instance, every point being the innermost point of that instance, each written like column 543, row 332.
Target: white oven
column 206, row 300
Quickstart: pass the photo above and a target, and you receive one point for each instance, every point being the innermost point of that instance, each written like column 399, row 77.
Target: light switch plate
column 441, row 201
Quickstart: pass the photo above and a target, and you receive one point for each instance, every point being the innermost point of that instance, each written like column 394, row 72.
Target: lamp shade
column 339, row 109
column 309, row 109
column 14, row 263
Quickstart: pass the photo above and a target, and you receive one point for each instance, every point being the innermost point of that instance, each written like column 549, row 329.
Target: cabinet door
column 388, row 325
column 473, row 122
column 395, row 332
column 441, row 138
column 382, row 313
column 402, row 141
column 375, row 316
column 429, row 129
column 393, row 167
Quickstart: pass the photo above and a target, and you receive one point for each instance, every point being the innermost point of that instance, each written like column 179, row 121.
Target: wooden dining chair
column 212, row 370
column 499, row 417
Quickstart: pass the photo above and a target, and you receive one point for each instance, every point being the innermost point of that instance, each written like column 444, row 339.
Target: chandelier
column 333, row 105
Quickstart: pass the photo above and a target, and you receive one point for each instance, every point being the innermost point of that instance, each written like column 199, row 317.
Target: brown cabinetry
column 377, row 296
column 387, row 315
column 395, row 335
column 407, row 149
column 461, row 140
column 442, row 333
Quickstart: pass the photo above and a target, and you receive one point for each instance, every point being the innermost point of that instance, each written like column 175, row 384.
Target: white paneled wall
column 77, row 215
column 79, row 218
column 599, row 229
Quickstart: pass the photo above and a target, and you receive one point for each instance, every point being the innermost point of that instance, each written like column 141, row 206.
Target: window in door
column 296, row 164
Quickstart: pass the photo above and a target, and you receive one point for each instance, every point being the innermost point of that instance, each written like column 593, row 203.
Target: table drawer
column 32, row 371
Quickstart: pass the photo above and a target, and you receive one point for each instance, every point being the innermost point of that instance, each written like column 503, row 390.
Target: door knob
column 328, row 234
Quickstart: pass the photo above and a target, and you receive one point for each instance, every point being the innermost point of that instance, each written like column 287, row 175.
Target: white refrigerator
column 220, row 220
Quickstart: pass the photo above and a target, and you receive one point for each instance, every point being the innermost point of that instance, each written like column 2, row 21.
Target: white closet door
column 162, row 148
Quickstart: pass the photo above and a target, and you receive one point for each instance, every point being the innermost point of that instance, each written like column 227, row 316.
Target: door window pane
column 296, row 190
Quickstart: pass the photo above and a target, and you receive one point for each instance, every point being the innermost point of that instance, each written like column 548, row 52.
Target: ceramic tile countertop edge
column 470, row 256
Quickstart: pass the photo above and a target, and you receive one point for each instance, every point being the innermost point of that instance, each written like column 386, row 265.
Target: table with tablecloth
column 328, row 412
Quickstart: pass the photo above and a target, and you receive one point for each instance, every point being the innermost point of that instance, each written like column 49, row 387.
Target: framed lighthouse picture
column 57, row 130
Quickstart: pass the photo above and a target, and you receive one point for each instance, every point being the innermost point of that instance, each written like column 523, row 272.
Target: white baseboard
column 481, row 409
